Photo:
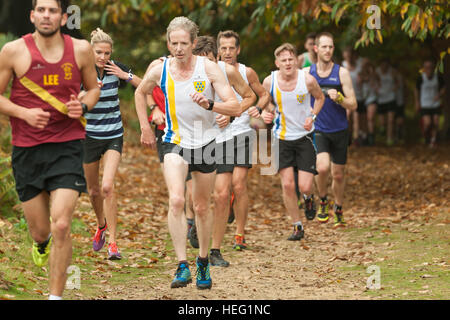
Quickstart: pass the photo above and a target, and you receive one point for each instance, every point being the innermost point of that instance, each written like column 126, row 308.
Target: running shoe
column 322, row 214
column 239, row 242
column 231, row 216
column 297, row 234
column 193, row 238
column 216, row 259
column 99, row 238
column 40, row 252
column 310, row 208
column 113, row 252
column 182, row 276
column 203, row 276
column 339, row 219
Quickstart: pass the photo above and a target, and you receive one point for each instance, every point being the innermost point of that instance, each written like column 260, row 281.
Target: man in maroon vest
column 47, row 125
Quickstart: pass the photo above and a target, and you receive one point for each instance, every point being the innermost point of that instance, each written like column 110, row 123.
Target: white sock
column 52, row 297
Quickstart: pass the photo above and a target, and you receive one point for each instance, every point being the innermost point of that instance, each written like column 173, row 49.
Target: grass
column 413, row 260
column 20, row 279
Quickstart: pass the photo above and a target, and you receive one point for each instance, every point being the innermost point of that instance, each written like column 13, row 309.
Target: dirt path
column 382, row 183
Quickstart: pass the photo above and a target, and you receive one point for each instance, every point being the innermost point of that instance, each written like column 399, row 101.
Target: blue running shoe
column 203, row 276
column 182, row 276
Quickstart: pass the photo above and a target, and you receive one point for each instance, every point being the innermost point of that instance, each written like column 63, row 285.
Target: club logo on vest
column 301, row 98
column 67, row 67
column 38, row 67
column 199, row 86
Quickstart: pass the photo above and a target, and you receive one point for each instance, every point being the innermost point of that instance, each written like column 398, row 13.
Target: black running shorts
column 334, row 143
column 47, row 167
column 94, row 149
column 201, row 159
column 300, row 153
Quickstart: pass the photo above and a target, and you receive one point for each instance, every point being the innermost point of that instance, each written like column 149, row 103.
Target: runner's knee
column 176, row 202
column 60, row 228
column 288, row 186
column 107, row 189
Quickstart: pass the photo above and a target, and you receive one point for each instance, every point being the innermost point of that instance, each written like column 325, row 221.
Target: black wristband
column 84, row 107
column 211, row 104
column 259, row 109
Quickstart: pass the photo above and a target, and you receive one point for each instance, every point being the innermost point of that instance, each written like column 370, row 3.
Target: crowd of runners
column 65, row 117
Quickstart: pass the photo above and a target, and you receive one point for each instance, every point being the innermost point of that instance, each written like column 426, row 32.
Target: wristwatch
column 211, row 104
column 130, row 77
column 153, row 106
column 259, row 109
column 314, row 116
column 84, row 107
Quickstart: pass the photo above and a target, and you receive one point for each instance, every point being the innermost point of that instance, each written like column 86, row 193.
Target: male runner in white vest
column 188, row 82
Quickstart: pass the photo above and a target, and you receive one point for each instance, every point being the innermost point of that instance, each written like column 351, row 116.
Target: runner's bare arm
column 84, row 56
column 316, row 92
column 268, row 112
column 145, row 88
column 349, row 101
column 241, row 87
column 230, row 105
column 35, row 117
column 319, row 98
column 261, row 92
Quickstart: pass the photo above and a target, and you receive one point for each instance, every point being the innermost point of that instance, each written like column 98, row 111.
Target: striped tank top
column 292, row 108
column 104, row 121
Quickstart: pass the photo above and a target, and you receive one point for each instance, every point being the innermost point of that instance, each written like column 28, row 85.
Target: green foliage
column 8, row 195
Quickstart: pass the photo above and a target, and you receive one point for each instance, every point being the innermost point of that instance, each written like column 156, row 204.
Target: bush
column 8, row 195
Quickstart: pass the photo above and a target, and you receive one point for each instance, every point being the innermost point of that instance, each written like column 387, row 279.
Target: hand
column 333, row 94
column 200, row 99
column 37, row 118
column 254, row 112
column 74, row 107
column 267, row 117
column 308, row 124
column 148, row 139
column 222, row 121
column 113, row 69
column 158, row 117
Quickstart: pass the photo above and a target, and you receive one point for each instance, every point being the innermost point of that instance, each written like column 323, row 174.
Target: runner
column 370, row 83
column 157, row 104
column 291, row 90
column 386, row 99
column 229, row 48
column 353, row 63
column 428, row 93
column 47, row 69
column 309, row 57
column 104, row 138
column 188, row 82
column 331, row 126
column 400, row 98
column 206, row 46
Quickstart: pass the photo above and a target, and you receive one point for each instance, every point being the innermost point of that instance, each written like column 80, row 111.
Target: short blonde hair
column 285, row 47
column 185, row 24
column 98, row 35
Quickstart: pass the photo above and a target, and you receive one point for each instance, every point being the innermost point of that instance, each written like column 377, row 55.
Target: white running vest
column 386, row 92
column 187, row 124
column 241, row 124
column 428, row 90
column 226, row 133
column 292, row 109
